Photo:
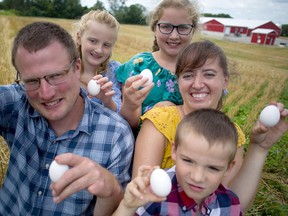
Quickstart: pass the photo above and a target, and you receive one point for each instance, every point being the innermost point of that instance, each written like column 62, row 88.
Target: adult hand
column 83, row 174
column 266, row 137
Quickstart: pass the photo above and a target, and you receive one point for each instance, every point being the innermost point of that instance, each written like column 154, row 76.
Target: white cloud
column 274, row 10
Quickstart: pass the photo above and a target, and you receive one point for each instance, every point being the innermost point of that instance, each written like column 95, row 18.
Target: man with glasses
column 44, row 116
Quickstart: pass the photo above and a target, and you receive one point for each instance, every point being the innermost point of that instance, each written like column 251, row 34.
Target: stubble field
column 262, row 77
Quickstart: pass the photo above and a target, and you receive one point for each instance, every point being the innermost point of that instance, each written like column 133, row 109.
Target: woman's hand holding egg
column 270, row 116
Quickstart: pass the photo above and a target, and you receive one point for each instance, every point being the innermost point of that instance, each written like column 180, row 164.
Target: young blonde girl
column 96, row 35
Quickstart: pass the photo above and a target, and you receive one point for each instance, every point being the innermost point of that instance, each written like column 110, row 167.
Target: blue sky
column 270, row 10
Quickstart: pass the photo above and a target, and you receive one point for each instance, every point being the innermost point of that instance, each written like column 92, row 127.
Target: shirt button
column 39, row 193
column 184, row 208
column 47, row 166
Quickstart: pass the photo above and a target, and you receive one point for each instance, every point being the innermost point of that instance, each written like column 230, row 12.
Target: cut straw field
column 261, row 77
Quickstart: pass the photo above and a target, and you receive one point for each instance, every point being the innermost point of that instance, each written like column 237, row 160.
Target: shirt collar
column 186, row 203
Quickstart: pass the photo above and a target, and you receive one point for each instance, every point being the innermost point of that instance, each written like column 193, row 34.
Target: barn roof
column 263, row 31
column 250, row 24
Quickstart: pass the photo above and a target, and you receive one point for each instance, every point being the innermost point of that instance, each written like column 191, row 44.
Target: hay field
column 262, row 77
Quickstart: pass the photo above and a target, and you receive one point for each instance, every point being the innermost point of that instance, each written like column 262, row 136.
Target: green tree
column 73, row 9
column 98, row 6
column 135, row 14
column 70, row 9
column 221, row 15
column 117, row 6
column 15, row 4
column 1, row 5
column 284, row 30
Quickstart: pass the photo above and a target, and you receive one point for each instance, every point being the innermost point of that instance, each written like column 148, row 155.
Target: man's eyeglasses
column 182, row 29
column 53, row 79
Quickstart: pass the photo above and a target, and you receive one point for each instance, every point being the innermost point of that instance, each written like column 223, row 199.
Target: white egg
column 93, row 87
column 146, row 73
column 56, row 171
column 160, row 182
column 270, row 116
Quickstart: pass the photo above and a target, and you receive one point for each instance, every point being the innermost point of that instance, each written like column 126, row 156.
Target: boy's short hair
column 213, row 125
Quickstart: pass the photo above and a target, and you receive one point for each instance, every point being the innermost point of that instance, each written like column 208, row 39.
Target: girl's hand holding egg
column 93, row 87
column 146, row 73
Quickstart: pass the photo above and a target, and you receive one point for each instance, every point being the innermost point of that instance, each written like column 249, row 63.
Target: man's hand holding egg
column 56, row 171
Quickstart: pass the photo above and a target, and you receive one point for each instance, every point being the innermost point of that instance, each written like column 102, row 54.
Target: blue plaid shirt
column 102, row 135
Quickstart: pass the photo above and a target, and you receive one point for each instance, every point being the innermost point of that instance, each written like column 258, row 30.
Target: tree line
column 72, row 9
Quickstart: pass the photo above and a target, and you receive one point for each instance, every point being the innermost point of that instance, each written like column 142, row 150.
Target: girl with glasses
column 173, row 22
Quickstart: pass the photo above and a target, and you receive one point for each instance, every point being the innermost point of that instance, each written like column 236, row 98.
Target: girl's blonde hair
column 103, row 17
column 190, row 6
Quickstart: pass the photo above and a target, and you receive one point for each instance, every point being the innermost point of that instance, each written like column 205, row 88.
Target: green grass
column 272, row 197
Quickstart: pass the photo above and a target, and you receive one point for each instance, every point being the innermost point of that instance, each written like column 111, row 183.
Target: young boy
column 204, row 150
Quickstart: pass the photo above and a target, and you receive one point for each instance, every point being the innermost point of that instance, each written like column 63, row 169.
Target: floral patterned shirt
column 166, row 86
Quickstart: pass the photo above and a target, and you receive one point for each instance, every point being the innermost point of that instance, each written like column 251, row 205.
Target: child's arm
column 133, row 99
column 246, row 182
column 137, row 193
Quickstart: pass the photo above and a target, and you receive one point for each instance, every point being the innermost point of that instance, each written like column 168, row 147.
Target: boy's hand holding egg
column 160, row 182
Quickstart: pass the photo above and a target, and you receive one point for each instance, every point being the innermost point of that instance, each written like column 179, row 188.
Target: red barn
column 268, row 25
column 213, row 25
column 237, row 27
column 224, row 25
column 263, row 36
